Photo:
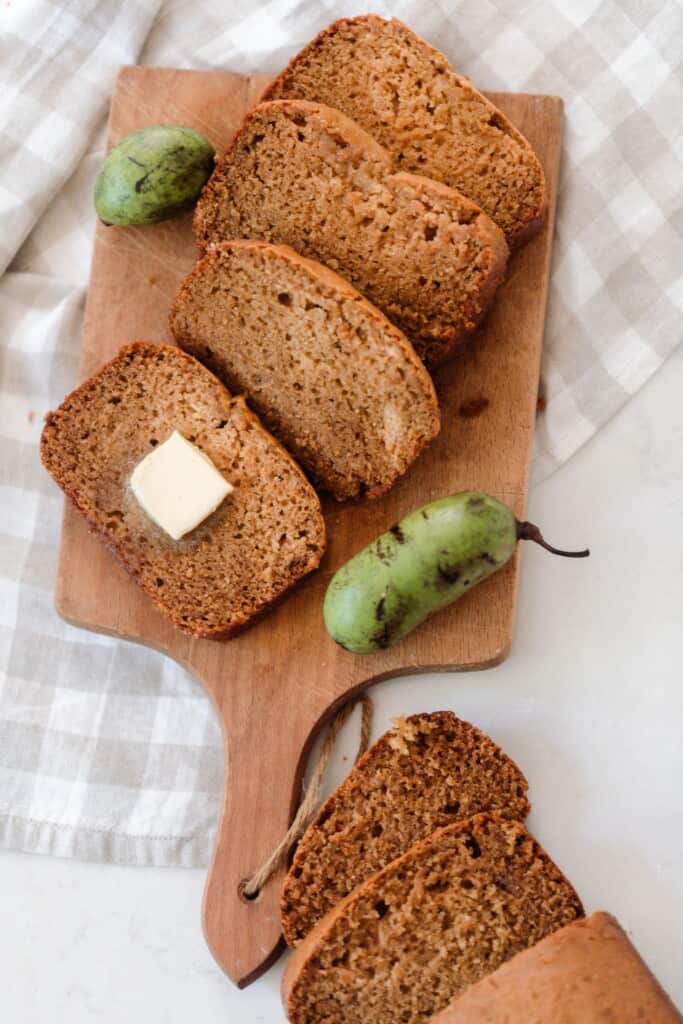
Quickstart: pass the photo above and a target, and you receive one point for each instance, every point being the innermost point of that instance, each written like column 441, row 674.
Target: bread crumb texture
column 405, row 94
column 434, row 921
column 304, row 175
column 264, row 537
column 429, row 771
column 329, row 375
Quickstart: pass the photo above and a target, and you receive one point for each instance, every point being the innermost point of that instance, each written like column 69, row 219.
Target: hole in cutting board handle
column 243, row 895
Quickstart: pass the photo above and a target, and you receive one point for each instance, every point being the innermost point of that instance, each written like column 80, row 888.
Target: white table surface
column 590, row 703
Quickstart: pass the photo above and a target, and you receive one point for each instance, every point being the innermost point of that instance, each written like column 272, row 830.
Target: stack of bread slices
column 354, row 232
column 418, row 881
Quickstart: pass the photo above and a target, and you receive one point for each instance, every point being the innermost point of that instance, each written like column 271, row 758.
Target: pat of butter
column 178, row 485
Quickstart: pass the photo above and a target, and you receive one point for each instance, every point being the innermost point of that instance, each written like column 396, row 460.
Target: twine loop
column 251, row 887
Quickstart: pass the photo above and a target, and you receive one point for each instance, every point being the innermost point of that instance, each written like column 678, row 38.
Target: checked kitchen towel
column 111, row 752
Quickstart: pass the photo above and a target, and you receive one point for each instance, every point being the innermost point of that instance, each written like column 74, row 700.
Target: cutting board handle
column 263, row 772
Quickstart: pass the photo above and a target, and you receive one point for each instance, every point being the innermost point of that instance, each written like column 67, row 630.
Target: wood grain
column 274, row 686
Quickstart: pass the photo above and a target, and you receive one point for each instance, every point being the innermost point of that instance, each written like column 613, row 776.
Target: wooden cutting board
column 276, row 684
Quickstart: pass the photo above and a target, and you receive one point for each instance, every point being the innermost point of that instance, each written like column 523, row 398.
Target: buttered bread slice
column 305, row 175
column 265, row 535
column 407, row 96
column 401, row 946
column 429, row 771
column 328, row 374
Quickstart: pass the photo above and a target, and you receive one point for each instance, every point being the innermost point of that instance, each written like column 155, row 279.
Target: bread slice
column 586, row 973
column 429, row 771
column 405, row 94
column 305, row 175
column 339, row 385
column 432, row 922
column 263, row 538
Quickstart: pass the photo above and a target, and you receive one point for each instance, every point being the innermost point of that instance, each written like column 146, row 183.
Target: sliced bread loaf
column 429, row 771
column 441, row 917
column 586, row 973
column 339, row 385
column 406, row 95
column 263, row 538
column 305, row 175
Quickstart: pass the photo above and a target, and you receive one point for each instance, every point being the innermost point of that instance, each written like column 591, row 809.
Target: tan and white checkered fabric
column 111, row 752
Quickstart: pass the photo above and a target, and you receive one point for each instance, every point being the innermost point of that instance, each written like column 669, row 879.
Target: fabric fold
column 58, row 63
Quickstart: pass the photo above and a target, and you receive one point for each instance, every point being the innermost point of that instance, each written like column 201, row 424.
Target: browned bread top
column 586, row 973
column 405, row 94
column 304, row 175
column 401, row 946
column 429, row 771
column 263, row 538
column 334, row 380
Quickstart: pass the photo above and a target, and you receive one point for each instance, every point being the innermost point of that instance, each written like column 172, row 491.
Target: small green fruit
column 427, row 561
column 152, row 174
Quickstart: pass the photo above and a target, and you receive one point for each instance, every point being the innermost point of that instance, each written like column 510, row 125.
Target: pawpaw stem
column 527, row 531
